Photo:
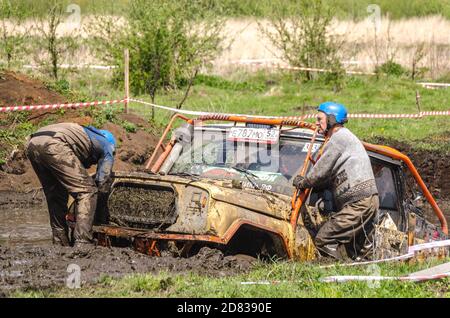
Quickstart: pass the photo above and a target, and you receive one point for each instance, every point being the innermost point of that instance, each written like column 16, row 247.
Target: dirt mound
column 133, row 151
column 433, row 166
column 17, row 89
column 40, row 268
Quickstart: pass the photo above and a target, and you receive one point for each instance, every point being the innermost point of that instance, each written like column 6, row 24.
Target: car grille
column 142, row 206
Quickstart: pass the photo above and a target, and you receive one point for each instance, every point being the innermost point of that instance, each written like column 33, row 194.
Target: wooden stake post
column 127, row 78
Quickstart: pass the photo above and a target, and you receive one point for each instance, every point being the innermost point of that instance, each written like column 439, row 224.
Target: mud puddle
column 24, row 227
column 24, row 219
column 28, row 260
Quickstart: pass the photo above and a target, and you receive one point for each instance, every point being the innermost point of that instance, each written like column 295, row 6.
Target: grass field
column 277, row 279
column 283, row 95
column 348, row 9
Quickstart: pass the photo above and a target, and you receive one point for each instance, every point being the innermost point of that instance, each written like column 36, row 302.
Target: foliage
column 390, row 68
column 63, row 87
column 12, row 37
column 276, row 279
column 168, row 41
column 129, row 127
column 360, row 94
column 304, row 39
column 344, row 9
column 220, row 82
column 102, row 115
column 54, row 45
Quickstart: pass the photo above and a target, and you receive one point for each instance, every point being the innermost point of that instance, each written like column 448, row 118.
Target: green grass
column 283, row 95
column 266, row 94
column 344, row 9
column 289, row 280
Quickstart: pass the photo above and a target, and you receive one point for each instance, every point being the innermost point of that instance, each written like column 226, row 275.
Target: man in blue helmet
column 60, row 155
column 345, row 169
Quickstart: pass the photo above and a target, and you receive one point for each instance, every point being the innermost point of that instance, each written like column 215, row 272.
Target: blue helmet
column 109, row 136
column 336, row 113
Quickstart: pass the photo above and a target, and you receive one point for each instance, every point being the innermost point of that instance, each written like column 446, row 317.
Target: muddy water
column 24, row 219
column 29, row 226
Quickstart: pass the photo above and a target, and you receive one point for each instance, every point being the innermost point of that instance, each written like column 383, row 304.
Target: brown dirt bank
column 18, row 89
column 133, row 150
column 433, row 166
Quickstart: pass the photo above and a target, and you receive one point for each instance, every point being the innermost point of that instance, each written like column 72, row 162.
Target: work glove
column 102, row 212
column 105, row 186
column 300, row 183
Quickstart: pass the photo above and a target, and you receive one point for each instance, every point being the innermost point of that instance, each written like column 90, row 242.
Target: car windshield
column 257, row 165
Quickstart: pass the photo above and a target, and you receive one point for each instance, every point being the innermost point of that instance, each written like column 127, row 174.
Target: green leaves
column 169, row 41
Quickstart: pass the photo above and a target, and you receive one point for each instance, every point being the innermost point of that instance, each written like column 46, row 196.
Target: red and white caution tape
column 278, row 64
column 343, row 279
column 309, row 116
column 429, row 245
column 411, row 253
column 75, row 66
column 412, row 250
column 198, row 113
column 322, row 70
column 59, row 106
column 434, row 85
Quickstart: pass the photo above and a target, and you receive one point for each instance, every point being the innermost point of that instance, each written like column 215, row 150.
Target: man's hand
column 102, row 213
column 300, row 183
column 105, row 186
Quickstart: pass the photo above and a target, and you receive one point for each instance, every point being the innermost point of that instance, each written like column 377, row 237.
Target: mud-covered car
column 226, row 182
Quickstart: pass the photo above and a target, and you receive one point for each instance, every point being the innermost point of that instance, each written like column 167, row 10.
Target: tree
column 13, row 33
column 169, row 42
column 55, row 45
column 304, row 38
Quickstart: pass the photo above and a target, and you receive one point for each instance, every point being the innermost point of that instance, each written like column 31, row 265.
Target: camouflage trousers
column 349, row 230
column 61, row 173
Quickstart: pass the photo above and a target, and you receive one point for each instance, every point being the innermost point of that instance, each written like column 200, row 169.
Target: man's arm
column 104, row 167
column 322, row 170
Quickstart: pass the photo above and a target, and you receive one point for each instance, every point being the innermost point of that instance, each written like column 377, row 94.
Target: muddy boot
column 336, row 251
column 366, row 252
column 60, row 237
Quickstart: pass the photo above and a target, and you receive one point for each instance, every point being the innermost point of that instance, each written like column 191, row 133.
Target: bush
column 101, row 115
column 391, row 68
column 129, row 127
column 53, row 45
column 12, row 38
column 444, row 78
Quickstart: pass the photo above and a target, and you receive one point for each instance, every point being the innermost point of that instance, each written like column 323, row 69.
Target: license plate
column 256, row 135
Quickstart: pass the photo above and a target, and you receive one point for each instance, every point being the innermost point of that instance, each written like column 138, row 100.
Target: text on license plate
column 258, row 135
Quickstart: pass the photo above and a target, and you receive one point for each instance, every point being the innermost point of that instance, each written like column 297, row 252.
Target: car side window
column 385, row 181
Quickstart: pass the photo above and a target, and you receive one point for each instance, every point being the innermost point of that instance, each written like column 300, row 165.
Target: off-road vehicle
column 226, row 181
